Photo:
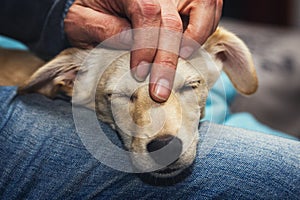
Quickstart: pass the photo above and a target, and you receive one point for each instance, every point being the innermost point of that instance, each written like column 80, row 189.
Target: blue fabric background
column 218, row 110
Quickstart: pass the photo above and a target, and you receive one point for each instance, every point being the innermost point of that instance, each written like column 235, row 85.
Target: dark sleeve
column 36, row 23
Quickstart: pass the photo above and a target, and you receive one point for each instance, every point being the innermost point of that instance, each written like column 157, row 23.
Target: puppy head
column 158, row 134
column 165, row 134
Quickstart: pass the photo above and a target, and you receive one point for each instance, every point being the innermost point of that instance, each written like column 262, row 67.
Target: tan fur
column 236, row 60
column 125, row 104
column 17, row 66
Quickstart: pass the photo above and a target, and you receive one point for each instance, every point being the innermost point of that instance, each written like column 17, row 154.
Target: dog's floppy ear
column 57, row 76
column 234, row 57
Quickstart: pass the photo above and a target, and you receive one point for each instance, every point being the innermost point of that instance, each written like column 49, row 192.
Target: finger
column 219, row 8
column 164, row 67
column 145, row 20
column 86, row 28
column 201, row 26
column 161, row 79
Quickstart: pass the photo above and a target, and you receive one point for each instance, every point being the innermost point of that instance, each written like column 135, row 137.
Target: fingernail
column 186, row 52
column 162, row 89
column 142, row 71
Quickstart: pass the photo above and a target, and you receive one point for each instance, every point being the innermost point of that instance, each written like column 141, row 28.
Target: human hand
column 90, row 22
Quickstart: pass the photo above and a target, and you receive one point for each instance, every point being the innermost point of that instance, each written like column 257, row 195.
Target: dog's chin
column 166, row 176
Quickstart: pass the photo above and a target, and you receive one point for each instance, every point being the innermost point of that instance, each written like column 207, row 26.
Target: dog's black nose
column 171, row 148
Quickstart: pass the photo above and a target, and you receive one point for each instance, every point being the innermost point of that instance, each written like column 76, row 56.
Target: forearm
column 36, row 23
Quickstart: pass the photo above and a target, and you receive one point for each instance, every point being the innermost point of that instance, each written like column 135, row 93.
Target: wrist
column 68, row 4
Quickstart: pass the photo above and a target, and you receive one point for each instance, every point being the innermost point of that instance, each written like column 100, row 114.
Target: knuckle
column 149, row 8
column 208, row 2
column 172, row 22
column 169, row 62
column 204, row 3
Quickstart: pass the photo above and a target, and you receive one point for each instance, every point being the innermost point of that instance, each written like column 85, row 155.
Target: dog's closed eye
column 115, row 94
column 123, row 93
column 194, row 84
column 191, row 84
column 120, row 97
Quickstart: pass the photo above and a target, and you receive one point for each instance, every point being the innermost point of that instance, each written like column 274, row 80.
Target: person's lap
column 42, row 157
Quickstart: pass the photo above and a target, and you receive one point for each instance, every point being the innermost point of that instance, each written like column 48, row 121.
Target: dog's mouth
column 167, row 172
column 167, row 176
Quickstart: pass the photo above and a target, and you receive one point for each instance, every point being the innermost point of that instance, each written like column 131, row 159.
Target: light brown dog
column 147, row 127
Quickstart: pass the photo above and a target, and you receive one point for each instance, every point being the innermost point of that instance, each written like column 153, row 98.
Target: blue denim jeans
column 42, row 157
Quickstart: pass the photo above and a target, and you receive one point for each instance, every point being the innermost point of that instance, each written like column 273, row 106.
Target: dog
column 145, row 126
